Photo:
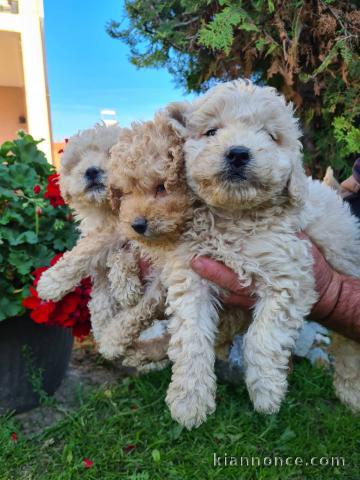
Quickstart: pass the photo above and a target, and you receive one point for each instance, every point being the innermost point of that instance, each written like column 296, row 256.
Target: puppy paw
column 110, row 352
column 48, row 289
column 263, row 403
column 133, row 358
column 153, row 366
column 110, row 349
column 348, row 393
column 266, row 396
column 190, row 408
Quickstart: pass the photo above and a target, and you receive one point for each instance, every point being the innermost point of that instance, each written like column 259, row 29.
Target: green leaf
column 10, row 307
column 22, row 175
column 5, row 148
column 219, row 33
column 259, row 44
column 271, row 6
column 14, row 238
column 248, row 27
column 271, row 49
column 156, row 455
column 10, row 216
column 21, row 261
column 7, row 194
column 59, row 244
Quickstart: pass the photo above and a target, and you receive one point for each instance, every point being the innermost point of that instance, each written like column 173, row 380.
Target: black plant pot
column 31, row 350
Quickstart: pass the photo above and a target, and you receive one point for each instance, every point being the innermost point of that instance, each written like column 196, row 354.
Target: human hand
column 352, row 184
column 223, row 276
column 327, row 282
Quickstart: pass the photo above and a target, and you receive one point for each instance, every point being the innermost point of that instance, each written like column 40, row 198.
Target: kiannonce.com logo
column 226, row 460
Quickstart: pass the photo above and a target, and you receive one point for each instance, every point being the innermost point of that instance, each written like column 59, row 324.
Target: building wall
column 25, row 63
column 12, row 101
column 58, row 148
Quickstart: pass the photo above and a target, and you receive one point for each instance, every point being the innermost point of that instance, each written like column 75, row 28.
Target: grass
column 127, row 432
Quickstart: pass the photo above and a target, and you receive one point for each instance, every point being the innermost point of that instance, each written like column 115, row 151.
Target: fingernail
column 198, row 263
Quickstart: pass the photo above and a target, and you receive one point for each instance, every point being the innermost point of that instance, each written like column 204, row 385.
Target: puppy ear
column 175, row 176
column 298, row 185
column 176, row 113
column 114, row 196
column 62, row 185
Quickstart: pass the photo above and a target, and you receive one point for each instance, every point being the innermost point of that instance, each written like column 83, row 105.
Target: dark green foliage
column 31, row 230
column 308, row 49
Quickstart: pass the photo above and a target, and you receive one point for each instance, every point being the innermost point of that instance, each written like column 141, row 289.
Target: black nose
column 92, row 173
column 139, row 225
column 236, row 159
column 238, row 156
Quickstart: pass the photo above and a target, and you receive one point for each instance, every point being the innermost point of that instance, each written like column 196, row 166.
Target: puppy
column 156, row 209
column 243, row 160
column 149, row 195
column 83, row 181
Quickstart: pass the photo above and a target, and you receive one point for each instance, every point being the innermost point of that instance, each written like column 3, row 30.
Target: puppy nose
column 238, row 157
column 139, row 225
column 91, row 173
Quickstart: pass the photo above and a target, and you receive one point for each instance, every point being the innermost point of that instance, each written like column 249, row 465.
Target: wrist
column 328, row 298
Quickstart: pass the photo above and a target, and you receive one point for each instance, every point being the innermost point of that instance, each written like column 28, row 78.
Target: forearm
column 339, row 308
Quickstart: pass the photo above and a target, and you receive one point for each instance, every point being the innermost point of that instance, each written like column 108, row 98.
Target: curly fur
column 249, row 224
column 99, row 245
column 147, row 156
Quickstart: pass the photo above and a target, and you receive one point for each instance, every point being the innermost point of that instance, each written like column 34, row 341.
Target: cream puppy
column 244, row 161
column 148, row 189
column 83, row 182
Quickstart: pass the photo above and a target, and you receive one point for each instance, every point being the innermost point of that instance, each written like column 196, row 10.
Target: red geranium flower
column 71, row 311
column 53, row 191
column 41, row 310
column 37, row 189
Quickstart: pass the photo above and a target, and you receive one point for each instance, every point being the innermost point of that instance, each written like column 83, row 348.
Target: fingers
column 351, row 185
column 245, row 301
column 216, row 272
column 323, row 273
column 327, row 283
column 223, row 276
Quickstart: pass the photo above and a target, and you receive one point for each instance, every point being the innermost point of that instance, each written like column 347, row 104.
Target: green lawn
column 128, row 433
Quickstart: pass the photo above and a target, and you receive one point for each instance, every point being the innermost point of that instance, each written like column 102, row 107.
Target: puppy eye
column 160, row 189
column 211, row 132
column 115, row 197
column 273, row 138
column 116, row 193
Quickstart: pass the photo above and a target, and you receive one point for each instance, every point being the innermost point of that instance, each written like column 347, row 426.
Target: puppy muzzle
column 94, row 178
column 140, row 225
column 236, row 160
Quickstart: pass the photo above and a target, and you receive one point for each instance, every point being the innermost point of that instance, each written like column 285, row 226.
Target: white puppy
column 98, row 252
column 244, row 161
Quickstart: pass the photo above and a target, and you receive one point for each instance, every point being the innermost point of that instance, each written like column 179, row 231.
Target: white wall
column 29, row 23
